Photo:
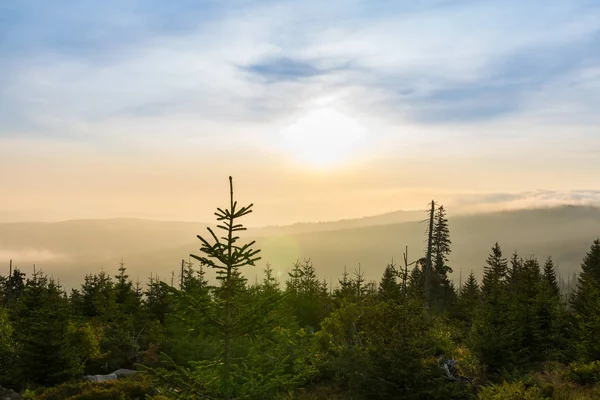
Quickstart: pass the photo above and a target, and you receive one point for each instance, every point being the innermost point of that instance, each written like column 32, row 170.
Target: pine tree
column 469, row 298
column 416, row 280
column 227, row 257
column 389, row 289
column 494, row 272
column 443, row 295
column 588, row 279
column 123, row 284
column 139, row 292
column 494, row 336
column 294, row 278
column 194, row 281
column 7, row 349
column 441, row 244
column 305, row 295
column 41, row 321
column 158, row 300
column 346, row 288
column 14, row 286
column 3, row 285
column 586, row 304
column 96, row 297
column 324, row 288
column 532, row 277
column 550, row 313
column 309, row 283
column 371, row 289
column 270, row 284
column 514, row 275
column 125, row 296
column 359, row 284
column 550, row 281
column 525, row 312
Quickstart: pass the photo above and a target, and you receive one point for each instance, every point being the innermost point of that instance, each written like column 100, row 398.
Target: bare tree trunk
column 228, row 299
column 181, row 282
column 405, row 274
column 428, row 261
column 227, row 355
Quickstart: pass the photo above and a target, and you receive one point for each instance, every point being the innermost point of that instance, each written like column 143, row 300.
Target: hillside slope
column 71, row 249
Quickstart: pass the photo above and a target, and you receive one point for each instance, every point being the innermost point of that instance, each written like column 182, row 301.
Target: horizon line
column 450, row 213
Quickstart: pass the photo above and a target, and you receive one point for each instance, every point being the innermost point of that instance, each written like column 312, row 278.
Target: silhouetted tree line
column 356, row 340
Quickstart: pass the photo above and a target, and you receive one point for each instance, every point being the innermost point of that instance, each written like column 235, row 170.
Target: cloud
column 84, row 71
column 30, row 255
column 528, row 199
column 505, row 86
column 283, row 69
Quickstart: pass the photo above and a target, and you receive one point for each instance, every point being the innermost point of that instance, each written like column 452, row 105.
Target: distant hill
column 70, row 249
column 393, row 217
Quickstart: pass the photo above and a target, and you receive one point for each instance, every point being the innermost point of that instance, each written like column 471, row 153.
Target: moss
column 135, row 387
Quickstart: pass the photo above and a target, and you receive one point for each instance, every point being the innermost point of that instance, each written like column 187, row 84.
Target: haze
column 320, row 110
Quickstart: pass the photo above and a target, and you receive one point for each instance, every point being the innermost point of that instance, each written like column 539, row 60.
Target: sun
column 323, row 138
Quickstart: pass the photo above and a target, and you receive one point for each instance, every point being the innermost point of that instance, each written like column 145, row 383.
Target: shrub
column 583, row 374
column 130, row 388
column 511, row 391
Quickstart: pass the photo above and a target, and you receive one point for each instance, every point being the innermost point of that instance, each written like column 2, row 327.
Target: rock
column 122, row 373
column 7, row 394
column 101, row 378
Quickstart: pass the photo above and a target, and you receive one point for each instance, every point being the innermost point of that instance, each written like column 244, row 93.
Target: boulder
column 101, row 378
column 122, row 373
column 7, row 394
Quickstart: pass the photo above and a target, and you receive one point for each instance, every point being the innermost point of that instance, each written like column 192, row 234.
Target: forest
column 415, row 334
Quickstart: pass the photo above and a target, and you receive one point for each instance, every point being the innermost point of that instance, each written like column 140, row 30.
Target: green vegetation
column 415, row 335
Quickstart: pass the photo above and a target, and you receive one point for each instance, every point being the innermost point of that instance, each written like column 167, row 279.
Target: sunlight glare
column 323, row 137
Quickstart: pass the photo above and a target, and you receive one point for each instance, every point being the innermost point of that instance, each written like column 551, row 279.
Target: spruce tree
column 226, row 256
column 270, row 284
column 14, row 285
column 194, row 281
column 493, row 334
column 96, row 297
column 122, row 318
column 441, row 244
column 309, row 283
column 532, row 277
column 550, row 281
column 3, row 286
column 125, row 296
column 514, row 275
column 586, row 304
column 416, row 280
column 138, row 290
column 494, row 272
column 469, row 298
column 550, row 313
column 371, row 289
column 346, row 288
column 389, row 288
column 41, row 322
column 525, row 312
column 443, row 295
column 588, row 279
column 158, row 299
column 7, row 349
column 294, row 279
column 359, row 284
column 324, row 288
column 305, row 295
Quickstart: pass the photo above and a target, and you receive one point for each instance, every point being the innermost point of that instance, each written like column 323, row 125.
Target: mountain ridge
column 71, row 249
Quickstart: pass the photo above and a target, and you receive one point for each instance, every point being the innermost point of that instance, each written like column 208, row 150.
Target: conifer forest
column 415, row 334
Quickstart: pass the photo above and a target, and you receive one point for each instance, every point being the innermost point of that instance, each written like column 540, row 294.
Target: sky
column 319, row 110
